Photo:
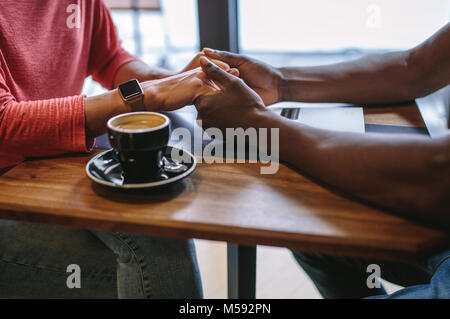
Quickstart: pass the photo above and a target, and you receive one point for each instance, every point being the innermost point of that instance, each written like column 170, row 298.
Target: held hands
column 234, row 104
column 195, row 63
column 261, row 77
column 179, row 90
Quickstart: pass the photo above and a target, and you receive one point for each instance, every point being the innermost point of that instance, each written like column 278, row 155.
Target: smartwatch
column 132, row 94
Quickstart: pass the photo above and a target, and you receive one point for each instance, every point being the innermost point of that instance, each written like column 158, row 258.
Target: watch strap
column 137, row 104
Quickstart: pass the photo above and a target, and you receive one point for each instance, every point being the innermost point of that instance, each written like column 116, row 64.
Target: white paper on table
column 435, row 109
column 343, row 119
column 330, row 116
column 296, row 105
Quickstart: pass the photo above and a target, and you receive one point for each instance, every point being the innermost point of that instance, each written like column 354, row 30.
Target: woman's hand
column 176, row 91
column 195, row 63
column 166, row 94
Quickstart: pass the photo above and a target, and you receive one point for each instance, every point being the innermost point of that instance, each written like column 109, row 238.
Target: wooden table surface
column 399, row 115
column 230, row 202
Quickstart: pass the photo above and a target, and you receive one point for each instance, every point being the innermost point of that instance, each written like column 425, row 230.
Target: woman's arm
column 141, row 71
column 63, row 125
column 164, row 94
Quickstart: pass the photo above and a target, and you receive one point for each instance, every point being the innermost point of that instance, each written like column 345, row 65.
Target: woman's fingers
column 234, row 72
column 233, row 59
column 195, row 63
column 224, row 66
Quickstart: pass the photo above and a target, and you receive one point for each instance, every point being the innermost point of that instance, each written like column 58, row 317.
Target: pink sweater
column 45, row 56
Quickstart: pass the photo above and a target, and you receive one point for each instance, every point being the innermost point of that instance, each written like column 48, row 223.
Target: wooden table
column 228, row 202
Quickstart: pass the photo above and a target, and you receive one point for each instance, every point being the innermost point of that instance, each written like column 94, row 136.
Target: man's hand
column 261, row 77
column 235, row 105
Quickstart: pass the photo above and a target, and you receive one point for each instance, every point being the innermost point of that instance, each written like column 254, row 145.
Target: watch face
column 130, row 89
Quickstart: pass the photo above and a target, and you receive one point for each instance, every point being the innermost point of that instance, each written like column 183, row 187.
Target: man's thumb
column 215, row 73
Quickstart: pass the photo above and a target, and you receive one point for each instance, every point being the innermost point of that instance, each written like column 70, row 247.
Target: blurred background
column 166, row 33
column 281, row 32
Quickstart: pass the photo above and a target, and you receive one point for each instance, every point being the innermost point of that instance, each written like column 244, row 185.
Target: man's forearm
column 376, row 78
column 408, row 175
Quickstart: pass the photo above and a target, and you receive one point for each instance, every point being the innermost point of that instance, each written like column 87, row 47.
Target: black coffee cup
column 140, row 140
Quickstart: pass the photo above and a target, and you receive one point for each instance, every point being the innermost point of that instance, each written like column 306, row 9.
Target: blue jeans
column 34, row 260
column 342, row 277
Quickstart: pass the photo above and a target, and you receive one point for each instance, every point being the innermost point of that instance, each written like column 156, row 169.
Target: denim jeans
column 34, row 260
column 342, row 277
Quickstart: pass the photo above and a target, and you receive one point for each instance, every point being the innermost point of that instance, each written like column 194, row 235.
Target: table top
column 230, row 202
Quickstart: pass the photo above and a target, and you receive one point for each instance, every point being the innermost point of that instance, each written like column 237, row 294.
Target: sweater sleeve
column 107, row 54
column 39, row 128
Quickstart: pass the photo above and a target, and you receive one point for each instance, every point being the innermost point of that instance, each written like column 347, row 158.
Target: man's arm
column 408, row 175
column 373, row 79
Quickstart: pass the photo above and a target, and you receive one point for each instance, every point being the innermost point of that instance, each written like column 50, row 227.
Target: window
column 298, row 32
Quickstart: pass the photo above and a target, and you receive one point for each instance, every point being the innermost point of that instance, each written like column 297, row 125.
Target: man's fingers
column 215, row 73
column 201, row 104
column 233, row 59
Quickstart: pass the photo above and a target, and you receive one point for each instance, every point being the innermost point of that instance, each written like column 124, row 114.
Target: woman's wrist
column 99, row 109
column 152, row 95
